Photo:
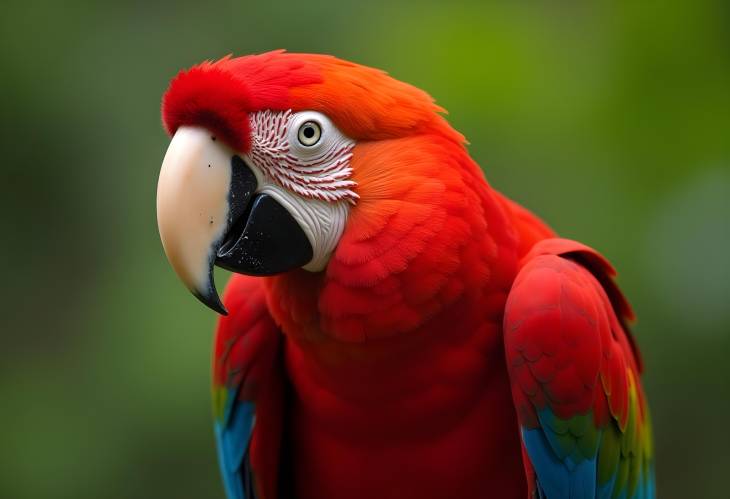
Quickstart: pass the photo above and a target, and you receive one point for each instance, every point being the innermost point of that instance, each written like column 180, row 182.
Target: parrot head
column 273, row 156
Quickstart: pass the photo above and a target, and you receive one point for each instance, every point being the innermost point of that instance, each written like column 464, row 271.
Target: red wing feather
column 575, row 371
column 248, row 392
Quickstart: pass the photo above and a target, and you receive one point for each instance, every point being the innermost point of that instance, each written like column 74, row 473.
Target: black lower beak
column 261, row 238
column 266, row 240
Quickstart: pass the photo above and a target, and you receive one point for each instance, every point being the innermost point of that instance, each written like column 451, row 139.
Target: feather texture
column 575, row 376
column 395, row 354
column 248, row 393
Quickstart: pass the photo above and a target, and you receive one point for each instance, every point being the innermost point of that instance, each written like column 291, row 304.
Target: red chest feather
column 427, row 414
column 395, row 353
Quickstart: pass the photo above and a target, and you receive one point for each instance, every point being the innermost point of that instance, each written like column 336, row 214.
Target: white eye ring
column 309, row 133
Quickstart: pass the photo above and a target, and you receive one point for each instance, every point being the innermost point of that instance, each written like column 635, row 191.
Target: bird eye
column 309, row 133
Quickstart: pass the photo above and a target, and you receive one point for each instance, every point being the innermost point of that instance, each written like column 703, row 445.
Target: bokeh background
column 610, row 119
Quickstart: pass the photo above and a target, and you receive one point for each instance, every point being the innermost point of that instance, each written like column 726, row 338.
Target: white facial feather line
column 312, row 182
column 319, row 172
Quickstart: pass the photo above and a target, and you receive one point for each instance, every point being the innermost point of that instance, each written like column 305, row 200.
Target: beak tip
column 212, row 301
column 220, row 309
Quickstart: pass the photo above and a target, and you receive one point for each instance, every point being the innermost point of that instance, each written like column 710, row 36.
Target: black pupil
column 308, row 131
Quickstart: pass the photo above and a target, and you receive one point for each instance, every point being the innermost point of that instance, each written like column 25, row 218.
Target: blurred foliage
column 609, row 119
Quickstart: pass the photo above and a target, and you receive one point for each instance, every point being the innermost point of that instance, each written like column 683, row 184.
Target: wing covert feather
column 575, row 373
column 248, row 392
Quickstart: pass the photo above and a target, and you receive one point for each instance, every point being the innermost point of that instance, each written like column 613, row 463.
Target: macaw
column 394, row 327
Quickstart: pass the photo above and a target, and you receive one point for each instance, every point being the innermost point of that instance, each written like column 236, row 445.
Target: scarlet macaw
column 395, row 327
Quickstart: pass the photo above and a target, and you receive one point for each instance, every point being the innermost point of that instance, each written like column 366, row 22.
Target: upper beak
column 208, row 212
column 193, row 207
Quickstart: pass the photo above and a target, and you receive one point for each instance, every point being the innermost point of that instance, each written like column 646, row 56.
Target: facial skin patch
column 319, row 171
column 310, row 178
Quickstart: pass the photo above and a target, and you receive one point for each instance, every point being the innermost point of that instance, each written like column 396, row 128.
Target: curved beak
column 193, row 208
column 208, row 213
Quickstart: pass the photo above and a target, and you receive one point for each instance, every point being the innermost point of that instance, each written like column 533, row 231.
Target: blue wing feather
column 558, row 480
column 233, row 436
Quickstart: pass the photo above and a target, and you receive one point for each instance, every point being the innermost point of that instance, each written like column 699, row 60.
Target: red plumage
column 220, row 95
column 248, row 357
column 570, row 354
column 385, row 375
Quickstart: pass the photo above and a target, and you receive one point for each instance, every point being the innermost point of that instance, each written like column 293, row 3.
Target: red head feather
column 418, row 190
column 365, row 103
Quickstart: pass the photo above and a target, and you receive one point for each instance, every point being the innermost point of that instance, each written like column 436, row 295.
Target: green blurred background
column 609, row 119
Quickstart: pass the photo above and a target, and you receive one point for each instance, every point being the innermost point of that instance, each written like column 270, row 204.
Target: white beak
column 193, row 207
